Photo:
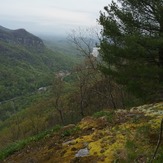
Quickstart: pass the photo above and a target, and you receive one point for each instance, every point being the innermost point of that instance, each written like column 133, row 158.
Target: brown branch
column 158, row 142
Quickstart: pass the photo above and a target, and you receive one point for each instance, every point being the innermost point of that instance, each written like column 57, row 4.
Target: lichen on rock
column 131, row 137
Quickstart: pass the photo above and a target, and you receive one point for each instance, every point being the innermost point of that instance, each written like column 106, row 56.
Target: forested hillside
column 26, row 64
column 108, row 107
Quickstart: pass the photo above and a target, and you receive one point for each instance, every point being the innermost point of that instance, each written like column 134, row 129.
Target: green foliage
column 101, row 114
column 8, row 108
column 131, row 46
column 132, row 154
column 12, row 148
column 109, row 115
column 71, row 131
column 144, row 130
column 159, row 157
column 24, row 70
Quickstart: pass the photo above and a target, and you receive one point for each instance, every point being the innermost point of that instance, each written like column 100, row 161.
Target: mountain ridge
column 21, row 37
column 26, row 63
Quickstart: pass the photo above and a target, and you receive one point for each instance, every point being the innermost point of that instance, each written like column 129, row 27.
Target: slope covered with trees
column 131, row 73
column 26, row 64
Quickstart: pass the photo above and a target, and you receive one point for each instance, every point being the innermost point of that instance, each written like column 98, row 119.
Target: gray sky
column 50, row 16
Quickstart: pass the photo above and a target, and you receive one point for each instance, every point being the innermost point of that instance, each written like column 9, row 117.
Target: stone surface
column 82, row 153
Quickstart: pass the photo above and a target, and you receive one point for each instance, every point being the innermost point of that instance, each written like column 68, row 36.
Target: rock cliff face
column 21, row 37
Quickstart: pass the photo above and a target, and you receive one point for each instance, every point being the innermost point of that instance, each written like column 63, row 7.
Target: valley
column 27, row 67
column 60, row 101
column 81, row 81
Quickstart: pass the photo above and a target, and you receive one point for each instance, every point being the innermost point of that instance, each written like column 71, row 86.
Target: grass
column 109, row 115
column 70, row 132
column 16, row 146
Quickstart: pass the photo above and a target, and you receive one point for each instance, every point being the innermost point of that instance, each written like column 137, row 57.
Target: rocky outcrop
column 109, row 136
column 21, row 37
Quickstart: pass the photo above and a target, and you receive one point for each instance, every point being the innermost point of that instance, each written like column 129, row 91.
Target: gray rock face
column 21, row 37
column 82, row 152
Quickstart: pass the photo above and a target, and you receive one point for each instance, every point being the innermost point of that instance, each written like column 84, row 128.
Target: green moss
column 125, row 141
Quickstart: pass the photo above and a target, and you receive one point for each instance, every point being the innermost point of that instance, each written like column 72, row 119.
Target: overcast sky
column 50, row 16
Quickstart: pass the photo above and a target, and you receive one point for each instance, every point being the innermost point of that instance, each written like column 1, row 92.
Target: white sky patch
column 50, row 16
column 95, row 51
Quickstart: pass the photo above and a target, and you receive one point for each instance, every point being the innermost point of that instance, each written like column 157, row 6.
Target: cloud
column 41, row 15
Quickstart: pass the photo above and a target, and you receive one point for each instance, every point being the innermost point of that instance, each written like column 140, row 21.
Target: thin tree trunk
column 59, row 110
column 61, row 116
column 81, row 102
column 122, row 98
column 111, row 95
column 158, row 142
column 161, row 73
column 161, row 62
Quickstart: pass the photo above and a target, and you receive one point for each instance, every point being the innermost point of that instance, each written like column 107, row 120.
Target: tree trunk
column 59, row 110
column 111, row 95
column 81, row 102
column 61, row 116
column 161, row 73
column 161, row 63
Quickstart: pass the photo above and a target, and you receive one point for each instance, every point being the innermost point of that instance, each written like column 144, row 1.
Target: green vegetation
column 17, row 146
column 118, row 141
column 10, row 107
column 72, row 88
column 110, row 115
column 131, row 46
column 24, row 109
column 71, row 131
column 24, row 71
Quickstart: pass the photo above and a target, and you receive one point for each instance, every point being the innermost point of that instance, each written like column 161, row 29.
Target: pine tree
column 132, row 45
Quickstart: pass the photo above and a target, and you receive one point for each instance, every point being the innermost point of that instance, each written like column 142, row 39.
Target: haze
column 52, row 16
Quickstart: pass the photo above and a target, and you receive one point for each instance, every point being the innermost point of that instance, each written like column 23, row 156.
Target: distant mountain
column 4, row 29
column 21, row 37
column 61, row 44
column 26, row 64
